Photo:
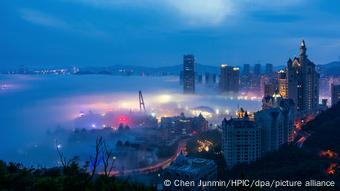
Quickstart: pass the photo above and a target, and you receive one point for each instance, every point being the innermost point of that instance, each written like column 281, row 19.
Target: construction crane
column 141, row 102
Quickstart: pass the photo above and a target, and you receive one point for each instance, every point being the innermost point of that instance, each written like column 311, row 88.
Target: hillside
column 312, row 161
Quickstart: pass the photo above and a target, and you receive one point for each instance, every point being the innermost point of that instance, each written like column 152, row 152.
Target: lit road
column 304, row 137
column 152, row 168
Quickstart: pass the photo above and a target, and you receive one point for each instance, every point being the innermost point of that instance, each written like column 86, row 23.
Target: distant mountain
column 332, row 68
column 144, row 70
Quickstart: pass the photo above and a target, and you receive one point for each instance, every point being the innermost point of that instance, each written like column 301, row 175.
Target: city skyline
column 169, row 95
column 145, row 33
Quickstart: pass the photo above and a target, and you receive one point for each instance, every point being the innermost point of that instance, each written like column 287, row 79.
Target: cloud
column 196, row 12
column 39, row 18
column 43, row 19
column 202, row 12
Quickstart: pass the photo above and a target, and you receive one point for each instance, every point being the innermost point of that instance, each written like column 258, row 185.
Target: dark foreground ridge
column 318, row 159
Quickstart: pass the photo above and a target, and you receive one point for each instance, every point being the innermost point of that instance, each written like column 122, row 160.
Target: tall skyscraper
column 256, row 79
column 303, row 83
column 241, row 141
column 335, row 91
column 246, row 69
column 245, row 79
column 229, row 79
column 189, row 74
column 282, row 83
column 257, row 69
column 269, row 68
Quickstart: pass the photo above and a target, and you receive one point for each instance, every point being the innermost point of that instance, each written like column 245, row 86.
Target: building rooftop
column 190, row 164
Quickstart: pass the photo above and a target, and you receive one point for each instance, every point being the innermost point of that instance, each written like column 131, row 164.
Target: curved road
column 152, row 168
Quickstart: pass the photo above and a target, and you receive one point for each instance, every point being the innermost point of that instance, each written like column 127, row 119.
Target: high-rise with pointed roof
column 303, row 82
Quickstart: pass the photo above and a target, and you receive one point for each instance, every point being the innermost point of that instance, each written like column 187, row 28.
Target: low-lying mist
column 31, row 107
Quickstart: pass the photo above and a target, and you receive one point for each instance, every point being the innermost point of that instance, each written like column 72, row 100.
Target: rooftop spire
column 303, row 43
column 303, row 48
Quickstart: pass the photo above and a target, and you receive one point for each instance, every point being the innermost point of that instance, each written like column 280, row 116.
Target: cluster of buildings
column 185, row 173
column 229, row 81
column 289, row 94
column 299, row 81
column 247, row 138
column 184, row 125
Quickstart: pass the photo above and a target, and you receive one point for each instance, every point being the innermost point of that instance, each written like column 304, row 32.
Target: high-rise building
column 269, row 69
column 189, row 74
column 276, row 121
column 269, row 89
column 282, row 83
column 335, row 91
column 268, row 85
column 214, row 78
column 181, row 78
column 241, row 140
column 246, row 69
column 257, row 69
column 200, row 78
column 271, row 122
column 229, row 79
column 303, row 83
column 255, row 80
column 245, row 78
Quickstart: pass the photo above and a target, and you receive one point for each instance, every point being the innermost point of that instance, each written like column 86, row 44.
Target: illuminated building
column 204, row 146
column 269, row 89
column 268, row 85
column 241, row 140
column 184, row 125
column 229, row 79
column 189, row 74
column 205, row 111
column 335, row 92
column 282, row 83
column 191, row 170
column 303, row 83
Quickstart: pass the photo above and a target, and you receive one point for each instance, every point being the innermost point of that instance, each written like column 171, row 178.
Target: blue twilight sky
column 154, row 33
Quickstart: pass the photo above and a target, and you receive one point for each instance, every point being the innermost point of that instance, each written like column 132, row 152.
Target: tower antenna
column 141, row 102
